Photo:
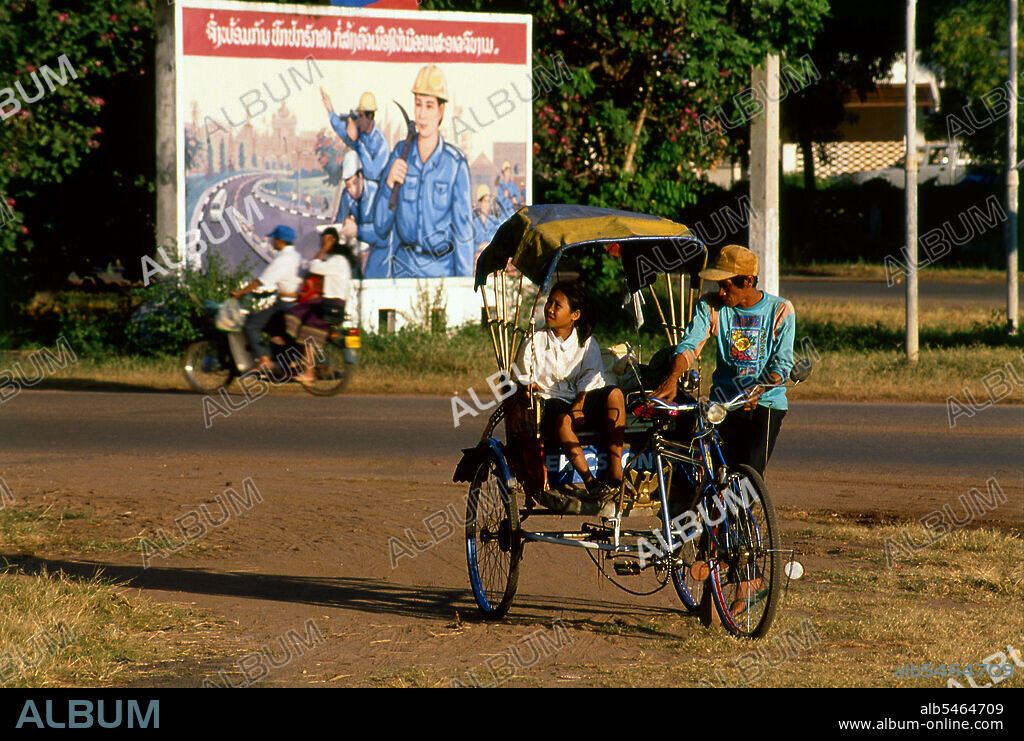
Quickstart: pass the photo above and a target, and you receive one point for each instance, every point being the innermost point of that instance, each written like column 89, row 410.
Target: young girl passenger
column 563, row 362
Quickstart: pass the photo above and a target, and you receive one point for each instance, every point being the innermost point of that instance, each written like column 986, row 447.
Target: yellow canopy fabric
column 535, row 237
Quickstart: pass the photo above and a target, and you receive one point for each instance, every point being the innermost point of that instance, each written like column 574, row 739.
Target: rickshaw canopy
column 536, row 236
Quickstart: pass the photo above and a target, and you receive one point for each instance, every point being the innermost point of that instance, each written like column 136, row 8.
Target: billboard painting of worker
column 381, row 123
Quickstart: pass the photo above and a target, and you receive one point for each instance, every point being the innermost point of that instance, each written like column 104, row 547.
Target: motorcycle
column 222, row 355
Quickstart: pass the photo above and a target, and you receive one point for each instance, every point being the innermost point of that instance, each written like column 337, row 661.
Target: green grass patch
column 876, row 271
column 27, row 529
column 858, row 349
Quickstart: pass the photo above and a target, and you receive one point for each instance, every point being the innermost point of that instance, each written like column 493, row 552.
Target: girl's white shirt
column 562, row 369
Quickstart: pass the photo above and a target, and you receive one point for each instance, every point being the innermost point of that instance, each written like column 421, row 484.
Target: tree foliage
column 626, row 131
column 968, row 48
column 47, row 140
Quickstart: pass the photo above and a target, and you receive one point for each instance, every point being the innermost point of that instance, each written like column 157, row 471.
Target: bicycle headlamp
column 715, row 413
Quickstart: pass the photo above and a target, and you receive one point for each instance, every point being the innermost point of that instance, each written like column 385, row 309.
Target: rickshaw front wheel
column 494, row 545
column 746, row 578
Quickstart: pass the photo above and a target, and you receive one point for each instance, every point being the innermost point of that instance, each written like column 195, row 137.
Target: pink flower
column 30, row 68
column 10, row 202
column 98, row 130
column 63, row 17
column 24, row 230
column 97, row 63
column 113, row 17
column 135, row 28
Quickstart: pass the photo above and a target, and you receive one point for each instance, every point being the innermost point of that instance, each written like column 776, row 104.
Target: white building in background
column 870, row 141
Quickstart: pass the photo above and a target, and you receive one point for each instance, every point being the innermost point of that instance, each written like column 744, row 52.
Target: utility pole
column 910, row 188
column 1012, row 182
column 166, row 129
column 764, row 175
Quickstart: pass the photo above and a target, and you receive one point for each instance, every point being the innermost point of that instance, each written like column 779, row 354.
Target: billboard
column 410, row 130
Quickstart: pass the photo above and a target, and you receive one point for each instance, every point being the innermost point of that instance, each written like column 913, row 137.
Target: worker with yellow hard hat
column 359, row 132
column 431, row 225
column 484, row 221
column 509, row 196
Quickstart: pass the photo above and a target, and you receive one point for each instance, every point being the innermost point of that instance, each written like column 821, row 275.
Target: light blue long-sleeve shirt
column 751, row 344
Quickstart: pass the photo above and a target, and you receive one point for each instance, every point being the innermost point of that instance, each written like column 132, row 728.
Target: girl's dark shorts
column 595, row 412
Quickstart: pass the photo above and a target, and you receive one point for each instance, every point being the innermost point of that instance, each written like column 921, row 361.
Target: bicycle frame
column 700, row 459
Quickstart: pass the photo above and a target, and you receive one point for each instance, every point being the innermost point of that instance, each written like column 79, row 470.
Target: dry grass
column 852, row 620
column 58, row 630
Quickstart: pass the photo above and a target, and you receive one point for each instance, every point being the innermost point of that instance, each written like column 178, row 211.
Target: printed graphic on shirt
column 744, row 343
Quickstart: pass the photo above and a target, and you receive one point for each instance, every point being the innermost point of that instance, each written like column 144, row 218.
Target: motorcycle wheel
column 205, row 369
column 331, row 371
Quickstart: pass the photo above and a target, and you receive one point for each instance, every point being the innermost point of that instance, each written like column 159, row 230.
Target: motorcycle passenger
column 564, row 363
column 754, row 331
column 282, row 274
column 317, row 314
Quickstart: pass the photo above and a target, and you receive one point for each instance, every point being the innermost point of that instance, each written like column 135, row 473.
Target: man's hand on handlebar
column 752, row 396
column 774, row 379
column 667, row 390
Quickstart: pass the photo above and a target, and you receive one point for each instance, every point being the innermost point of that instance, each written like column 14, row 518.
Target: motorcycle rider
column 282, row 274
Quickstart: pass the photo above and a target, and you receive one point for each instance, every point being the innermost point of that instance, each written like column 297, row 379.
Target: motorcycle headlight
column 715, row 413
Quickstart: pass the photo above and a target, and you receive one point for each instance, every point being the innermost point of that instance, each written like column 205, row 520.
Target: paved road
column 853, row 457
column 959, row 293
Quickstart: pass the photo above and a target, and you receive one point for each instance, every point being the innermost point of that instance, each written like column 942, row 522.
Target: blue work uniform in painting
column 430, row 228
column 372, row 147
column 377, row 263
column 483, row 230
column 505, row 191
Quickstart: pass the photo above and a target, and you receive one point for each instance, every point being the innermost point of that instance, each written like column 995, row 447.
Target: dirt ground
column 337, row 483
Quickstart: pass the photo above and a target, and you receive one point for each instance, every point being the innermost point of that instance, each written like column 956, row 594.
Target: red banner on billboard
column 234, row 33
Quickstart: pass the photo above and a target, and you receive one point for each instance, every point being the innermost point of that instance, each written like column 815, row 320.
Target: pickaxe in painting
column 409, row 139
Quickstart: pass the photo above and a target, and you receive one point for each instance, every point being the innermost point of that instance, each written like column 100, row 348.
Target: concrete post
column 1012, row 181
column 910, row 185
column 764, row 173
column 166, row 129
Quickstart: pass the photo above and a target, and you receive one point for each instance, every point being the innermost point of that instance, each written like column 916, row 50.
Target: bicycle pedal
column 627, row 568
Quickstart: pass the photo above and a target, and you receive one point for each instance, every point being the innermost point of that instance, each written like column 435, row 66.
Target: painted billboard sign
column 407, row 130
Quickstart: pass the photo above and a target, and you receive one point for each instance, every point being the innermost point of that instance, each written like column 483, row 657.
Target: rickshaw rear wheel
column 746, row 576
column 494, row 544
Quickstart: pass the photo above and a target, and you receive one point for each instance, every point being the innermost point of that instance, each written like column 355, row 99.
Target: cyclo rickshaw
column 716, row 524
